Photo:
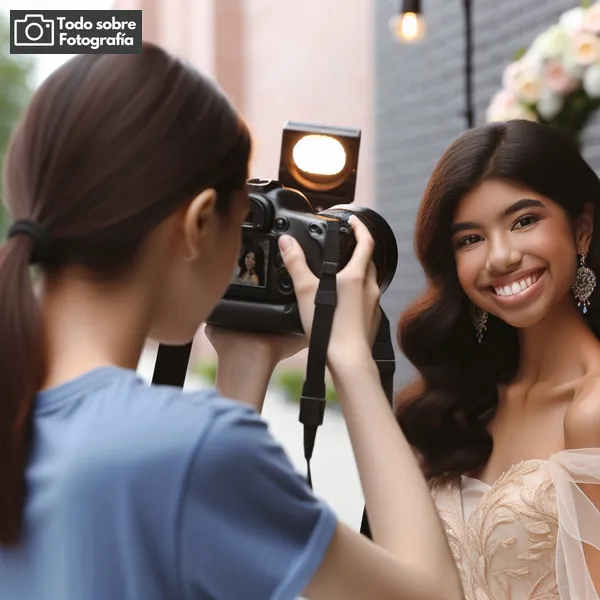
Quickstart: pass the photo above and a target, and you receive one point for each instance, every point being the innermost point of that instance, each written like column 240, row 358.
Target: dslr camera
column 317, row 169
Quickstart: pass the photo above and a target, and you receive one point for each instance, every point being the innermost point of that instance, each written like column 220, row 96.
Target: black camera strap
column 383, row 354
column 312, row 401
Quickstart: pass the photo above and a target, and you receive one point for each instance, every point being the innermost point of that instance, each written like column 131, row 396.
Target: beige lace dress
column 521, row 538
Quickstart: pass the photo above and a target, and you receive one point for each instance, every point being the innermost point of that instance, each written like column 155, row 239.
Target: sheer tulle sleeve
column 578, row 520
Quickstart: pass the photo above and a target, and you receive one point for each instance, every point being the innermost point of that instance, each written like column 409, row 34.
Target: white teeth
column 517, row 287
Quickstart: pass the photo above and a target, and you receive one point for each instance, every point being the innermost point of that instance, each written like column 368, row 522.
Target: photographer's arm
column 246, row 362
column 402, row 514
column 355, row 568
column 244, row 372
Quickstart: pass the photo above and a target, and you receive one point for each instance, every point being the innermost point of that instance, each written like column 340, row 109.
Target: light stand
column 469, row 108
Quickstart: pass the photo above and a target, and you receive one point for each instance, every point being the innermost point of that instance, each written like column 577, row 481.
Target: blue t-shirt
column 141, row 492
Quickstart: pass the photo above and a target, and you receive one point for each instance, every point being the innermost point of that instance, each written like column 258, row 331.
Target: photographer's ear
column 198, row 222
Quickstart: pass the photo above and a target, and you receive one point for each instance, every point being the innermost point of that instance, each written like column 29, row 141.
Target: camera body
column 33, row 30
column 260, row 297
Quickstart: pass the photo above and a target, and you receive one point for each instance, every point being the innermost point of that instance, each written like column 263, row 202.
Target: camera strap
column 383, row 355
column 312, row 401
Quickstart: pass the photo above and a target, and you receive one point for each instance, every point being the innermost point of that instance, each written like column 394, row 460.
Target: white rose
column 573, row 20
column 591, row 81
column 494, row 114
column 509, row 113
column 523, row 80
column 501, row 102
column 550, row 105
column 586, row 48
column 552, row 43
column 534, row 60
column 529, row 88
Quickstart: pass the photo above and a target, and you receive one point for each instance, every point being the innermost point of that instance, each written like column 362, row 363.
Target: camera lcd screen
column 252, row 264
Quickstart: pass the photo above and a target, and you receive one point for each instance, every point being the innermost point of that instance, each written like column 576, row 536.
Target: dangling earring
column 585, row 284
column 479, row 319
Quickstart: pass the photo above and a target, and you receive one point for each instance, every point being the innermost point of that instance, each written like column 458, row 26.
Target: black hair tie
column 39, row 235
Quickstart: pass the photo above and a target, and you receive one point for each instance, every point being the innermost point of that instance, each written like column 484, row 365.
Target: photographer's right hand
column 357, row 312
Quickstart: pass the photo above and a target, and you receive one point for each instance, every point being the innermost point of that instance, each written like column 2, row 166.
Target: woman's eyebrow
column 513, row 208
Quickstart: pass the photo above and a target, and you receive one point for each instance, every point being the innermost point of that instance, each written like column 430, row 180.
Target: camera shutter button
column 284, row 282
column 281, row 223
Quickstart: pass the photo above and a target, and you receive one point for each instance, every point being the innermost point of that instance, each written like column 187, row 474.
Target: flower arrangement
column 557, row 80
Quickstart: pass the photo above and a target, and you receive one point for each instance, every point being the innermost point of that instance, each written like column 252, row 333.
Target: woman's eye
column 469, row 240
column 525, row 221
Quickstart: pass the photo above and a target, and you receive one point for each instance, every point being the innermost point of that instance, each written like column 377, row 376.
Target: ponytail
column 21, row 375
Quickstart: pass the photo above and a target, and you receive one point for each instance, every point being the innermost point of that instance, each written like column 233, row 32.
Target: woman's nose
column 502, row 256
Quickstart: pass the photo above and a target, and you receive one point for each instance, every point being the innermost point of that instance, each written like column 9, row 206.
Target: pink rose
column 586, row 48
column 591, row 21
column 511, row 73
column 557, row 78
column 504, row 99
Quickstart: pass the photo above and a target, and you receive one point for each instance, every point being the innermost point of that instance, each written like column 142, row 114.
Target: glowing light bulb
column 319, row 155
column 408, row 27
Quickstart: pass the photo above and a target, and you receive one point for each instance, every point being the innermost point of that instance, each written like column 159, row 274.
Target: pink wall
column 309, row 61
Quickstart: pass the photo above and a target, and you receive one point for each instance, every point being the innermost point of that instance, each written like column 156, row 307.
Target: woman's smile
column 519, row 289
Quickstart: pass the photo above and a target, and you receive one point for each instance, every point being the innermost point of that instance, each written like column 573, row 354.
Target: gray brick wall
column 419, row 103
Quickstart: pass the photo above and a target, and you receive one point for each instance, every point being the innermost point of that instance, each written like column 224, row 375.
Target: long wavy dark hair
column 109, row 147
column 445, row 412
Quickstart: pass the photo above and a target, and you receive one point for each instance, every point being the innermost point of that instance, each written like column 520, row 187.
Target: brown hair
column 109, row 147
column 445, row 413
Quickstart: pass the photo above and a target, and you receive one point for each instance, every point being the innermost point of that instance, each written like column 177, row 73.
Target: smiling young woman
column 506, row 412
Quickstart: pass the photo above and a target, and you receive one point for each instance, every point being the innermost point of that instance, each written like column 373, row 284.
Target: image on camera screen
column 252, row 264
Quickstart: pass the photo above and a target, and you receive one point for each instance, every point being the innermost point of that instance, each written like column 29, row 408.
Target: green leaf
column 519, row 54
column 586, row 3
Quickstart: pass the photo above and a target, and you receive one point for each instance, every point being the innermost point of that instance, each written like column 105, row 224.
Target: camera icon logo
column 33, row 30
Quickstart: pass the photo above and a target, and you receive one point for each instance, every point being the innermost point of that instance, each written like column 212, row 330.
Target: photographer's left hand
column 246, row 361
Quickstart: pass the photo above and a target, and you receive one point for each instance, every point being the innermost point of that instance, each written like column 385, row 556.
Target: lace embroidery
column 506, row 548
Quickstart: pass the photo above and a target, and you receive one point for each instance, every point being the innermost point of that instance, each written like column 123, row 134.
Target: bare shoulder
column 582, row 419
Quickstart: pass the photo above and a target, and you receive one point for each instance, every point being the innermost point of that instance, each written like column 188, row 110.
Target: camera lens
column 385, row 254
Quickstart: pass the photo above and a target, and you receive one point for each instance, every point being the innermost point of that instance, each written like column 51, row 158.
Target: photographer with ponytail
column 125, row 181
